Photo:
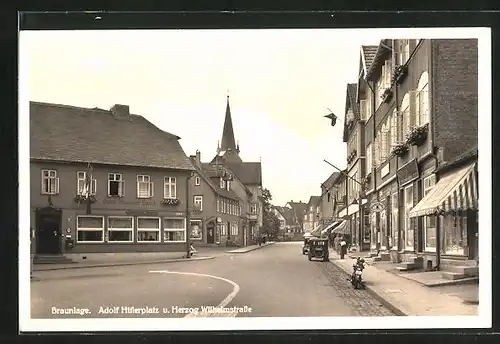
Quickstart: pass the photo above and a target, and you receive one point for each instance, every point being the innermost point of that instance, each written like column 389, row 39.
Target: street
column 275, row 281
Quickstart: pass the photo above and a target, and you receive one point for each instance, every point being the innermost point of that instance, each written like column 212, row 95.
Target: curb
column 250, row 250
column 76, row 266
column 377, row 296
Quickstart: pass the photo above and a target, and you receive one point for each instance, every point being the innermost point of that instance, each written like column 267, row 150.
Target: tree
column 270, row 222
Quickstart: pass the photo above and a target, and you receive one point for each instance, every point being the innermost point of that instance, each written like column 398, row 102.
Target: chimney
column 121, row 112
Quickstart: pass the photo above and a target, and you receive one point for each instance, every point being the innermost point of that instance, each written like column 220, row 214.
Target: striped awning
column 330, row 227
column 316, row 231
column 457, row 191
column 342, row 228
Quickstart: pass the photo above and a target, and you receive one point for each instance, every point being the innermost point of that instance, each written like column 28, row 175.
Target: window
column 405, row 116
column 379, row 90
column 403, row 51
column 395, row 218
column 120, row 229
column 368, row 160
column 144, row 187
column 394, row 128
column 223, row 206
column 387, row 73
column 81, row 184
column 408, row 222
column 385, row 135
column 223, row 229
column 196, row 230
column 228, row 184
column 253, row 208
column 174, row 229
column 368, row 105
column 116, row 185
column 429, row 221
column 198, row 203
column 89, row 229
column 422, row 102
column 234, row 228
column 197, row 180
column 328, row 197
column 50, row 182
column 222, row 183
column 148, row 229
column 363, row 109
column 218, row 205
column 170, row 187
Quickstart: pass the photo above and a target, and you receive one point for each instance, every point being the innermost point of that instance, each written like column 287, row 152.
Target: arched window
column 423, row 99
column 405, row 116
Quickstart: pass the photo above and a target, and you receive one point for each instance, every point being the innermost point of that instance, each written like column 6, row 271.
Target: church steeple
column 228, row 142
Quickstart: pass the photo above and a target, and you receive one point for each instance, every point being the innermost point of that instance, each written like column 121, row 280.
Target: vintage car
column 305, row 247
column 318, row 249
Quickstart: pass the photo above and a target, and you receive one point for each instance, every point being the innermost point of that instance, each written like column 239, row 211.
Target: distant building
column 295, row 216
column 312, row 214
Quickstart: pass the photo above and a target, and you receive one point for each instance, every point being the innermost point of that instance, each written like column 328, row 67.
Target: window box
column 83, row 199
column 171, row 201
column 400, row 149
column 387, row 95
column 400, row 73
column 417, row 135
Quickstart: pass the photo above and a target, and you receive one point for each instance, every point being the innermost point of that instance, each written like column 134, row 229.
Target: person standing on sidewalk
column 343, row 247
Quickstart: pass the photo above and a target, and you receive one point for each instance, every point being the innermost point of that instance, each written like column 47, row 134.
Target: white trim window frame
column 167, row 229
column 394, row 128
column 81, row 184
column 169, row 187
column 427, row 185
column 119, row 189
column 144, row 186
column 422, row 101
column 222, row 183
column 369, row 163
column 408, row 205
column 198, row 203
column 50, row 182
column 196, row 222
column 387, row 73
column 142, row 231
column 197, row 181
column 405, row 116
column 234, row 229
column 85, row 229
column 403, row 51
column 112, row 229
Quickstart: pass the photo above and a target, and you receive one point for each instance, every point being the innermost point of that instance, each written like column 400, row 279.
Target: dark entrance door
column 210, row 233
column 472, row 234
column 48, row 231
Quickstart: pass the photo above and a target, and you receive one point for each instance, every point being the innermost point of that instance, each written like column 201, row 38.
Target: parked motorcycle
column 357, row 273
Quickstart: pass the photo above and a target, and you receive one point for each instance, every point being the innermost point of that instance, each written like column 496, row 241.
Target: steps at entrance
column 455, row 272
column 51, row 259
column 413, row 263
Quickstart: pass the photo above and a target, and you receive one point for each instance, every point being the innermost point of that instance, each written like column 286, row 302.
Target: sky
column 281, row 83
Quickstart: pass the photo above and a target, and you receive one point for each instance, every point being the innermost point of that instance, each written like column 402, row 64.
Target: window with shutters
column 422, row 101
column 82, row 184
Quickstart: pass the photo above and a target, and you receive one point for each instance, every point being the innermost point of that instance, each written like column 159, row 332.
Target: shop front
column 449, row 212
column 359, row 228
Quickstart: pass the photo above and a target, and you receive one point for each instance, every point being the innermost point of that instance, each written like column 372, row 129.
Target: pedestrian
column 343, row 247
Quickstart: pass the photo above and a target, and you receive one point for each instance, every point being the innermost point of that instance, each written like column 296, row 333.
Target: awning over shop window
column 457, row 191
column 330, row 227
column 342, row 228
column 316, row 231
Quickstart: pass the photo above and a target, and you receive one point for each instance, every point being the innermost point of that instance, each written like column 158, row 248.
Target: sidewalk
column 97, row 264
column 404, row 296
column 250, row 248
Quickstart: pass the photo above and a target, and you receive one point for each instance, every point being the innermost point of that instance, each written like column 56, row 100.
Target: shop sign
column 141, row 212
column 408, row 173
column 377, row 207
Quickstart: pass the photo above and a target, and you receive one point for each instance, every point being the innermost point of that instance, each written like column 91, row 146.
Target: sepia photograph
column 254, row 179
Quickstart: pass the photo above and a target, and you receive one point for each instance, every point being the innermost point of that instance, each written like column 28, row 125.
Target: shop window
column 89, row 229
column 196, row 230
column 174, row 229
column 148, row 229
column 120, row 229
column 409, row 230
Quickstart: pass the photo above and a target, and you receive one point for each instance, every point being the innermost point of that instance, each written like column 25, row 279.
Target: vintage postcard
column 254, row 179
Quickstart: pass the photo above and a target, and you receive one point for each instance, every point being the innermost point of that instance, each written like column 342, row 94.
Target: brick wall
column 454, row 88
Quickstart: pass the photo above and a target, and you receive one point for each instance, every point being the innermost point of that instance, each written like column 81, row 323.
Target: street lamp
column 360, row 199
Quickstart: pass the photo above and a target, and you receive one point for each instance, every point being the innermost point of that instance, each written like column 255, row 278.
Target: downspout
column 373, row 142
column 188, row 217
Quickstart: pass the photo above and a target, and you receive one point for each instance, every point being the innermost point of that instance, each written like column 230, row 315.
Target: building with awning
column 342, row 228
column 456, row 192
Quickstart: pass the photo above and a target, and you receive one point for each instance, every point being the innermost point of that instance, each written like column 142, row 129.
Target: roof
column 205, row 171
column 350, row 103
column 299, row 208
column 330, row 181
column 368, row 53
column 314, row 201
column 385, row 46
column 76, row 134
column 289, row 216
column 249, row 173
